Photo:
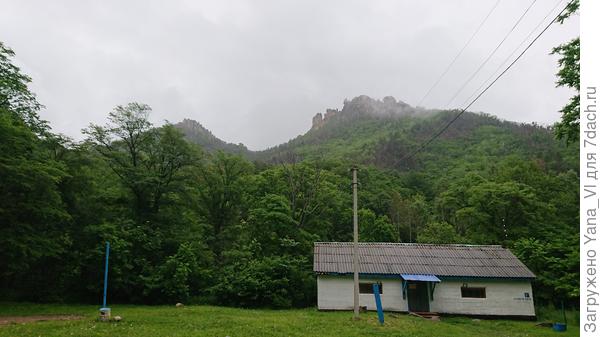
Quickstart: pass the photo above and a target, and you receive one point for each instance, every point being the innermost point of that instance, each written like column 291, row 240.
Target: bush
column 277, row 282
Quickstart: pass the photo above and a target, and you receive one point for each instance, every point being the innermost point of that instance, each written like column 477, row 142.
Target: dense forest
column 191, row 218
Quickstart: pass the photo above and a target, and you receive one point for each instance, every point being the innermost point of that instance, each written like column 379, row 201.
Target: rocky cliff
column 365, row 106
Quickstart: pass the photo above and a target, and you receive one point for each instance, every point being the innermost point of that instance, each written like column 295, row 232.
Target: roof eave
column 440, row 276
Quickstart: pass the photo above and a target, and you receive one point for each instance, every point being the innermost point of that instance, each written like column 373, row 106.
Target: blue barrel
column 559, row 327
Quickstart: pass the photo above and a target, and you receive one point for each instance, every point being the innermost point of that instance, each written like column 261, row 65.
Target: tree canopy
column 188, row 223
column 568, row 76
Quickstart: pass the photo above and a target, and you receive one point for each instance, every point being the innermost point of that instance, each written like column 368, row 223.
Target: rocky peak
column 364, row 106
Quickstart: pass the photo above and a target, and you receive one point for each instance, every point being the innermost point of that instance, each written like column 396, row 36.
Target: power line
column 438, row 133
column 491, row 54
column 513, row 52
column 459, row 53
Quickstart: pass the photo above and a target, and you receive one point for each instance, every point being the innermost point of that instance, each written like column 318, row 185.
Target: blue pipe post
column 106, row 274
column 378, row 302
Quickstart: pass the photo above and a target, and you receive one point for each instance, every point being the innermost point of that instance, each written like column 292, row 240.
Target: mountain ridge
column 196, row 133
column 380, row 132
column 360, row 106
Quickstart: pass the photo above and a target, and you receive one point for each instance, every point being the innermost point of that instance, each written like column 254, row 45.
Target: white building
column 446, row 279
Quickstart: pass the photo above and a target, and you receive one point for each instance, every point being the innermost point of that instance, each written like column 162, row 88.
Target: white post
column 355, row 246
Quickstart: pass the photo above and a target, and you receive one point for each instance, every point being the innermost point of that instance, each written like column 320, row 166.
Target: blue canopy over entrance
column 420, row 291
column 420, row 277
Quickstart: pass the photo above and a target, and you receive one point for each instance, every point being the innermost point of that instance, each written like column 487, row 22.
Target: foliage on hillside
column 199, row 135
column 188, row 224
column 568, row 76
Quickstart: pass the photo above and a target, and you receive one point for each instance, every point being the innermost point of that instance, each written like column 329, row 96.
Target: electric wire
column 445, row 127
column 513, row 53
column 491, row 54
column 459, row 53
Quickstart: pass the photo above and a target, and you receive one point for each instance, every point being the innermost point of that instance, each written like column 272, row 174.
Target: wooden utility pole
column 355, row 245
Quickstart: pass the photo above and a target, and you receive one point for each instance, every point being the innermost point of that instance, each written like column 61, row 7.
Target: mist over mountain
column 385, row 132
column 359, row 108
column 365, row 106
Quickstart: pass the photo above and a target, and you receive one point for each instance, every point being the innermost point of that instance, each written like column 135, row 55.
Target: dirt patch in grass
column 29, row 319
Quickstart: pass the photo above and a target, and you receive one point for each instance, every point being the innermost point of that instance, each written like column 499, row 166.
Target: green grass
column 150, row 321
column 548, row 314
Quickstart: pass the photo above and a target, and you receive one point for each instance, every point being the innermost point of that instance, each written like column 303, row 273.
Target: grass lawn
column 150, row 321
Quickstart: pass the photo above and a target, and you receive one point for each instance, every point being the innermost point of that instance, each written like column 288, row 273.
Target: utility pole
column 355, row 245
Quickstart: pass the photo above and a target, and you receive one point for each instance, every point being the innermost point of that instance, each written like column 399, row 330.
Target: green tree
column 272, row 227
column 183, row 273
column 15, row 97
column 145, row 159
column 568, row 76
column 32, row 212
column 488, row 212
column 408, row 215
column 222, row 230
column 440, row 233
column 374, row 228
column 304, row 183
column 556, row 265
column 277, row 281
column 221, row 193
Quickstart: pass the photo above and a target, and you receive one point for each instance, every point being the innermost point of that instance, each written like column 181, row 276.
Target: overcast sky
column 256, row 72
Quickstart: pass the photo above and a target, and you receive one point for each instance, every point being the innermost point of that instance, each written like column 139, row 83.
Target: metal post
column 378, row 302
column 106, row 274
column 355, row 245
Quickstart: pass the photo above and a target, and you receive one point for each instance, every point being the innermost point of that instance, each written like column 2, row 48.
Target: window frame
column 482, row 292
column 370, row 288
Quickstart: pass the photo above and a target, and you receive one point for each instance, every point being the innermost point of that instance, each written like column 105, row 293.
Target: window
column 367, row 288
column 526, row 295
column 474, row 292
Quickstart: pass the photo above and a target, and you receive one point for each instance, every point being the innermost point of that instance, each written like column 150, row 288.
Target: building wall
column 502, row 297
column 337, row 293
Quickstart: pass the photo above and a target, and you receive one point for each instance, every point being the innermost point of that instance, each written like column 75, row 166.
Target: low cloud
column 256, row 72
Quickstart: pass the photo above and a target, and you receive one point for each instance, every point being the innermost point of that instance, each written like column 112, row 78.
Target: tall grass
column 552, row 314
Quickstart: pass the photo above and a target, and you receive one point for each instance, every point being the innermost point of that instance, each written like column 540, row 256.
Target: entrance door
column 418, row 298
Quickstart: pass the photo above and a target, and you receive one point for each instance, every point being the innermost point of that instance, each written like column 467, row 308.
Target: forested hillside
column 199, row 135
column 219, row 224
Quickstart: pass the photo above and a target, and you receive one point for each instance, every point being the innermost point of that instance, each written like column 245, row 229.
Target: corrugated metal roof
column 413, row 258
